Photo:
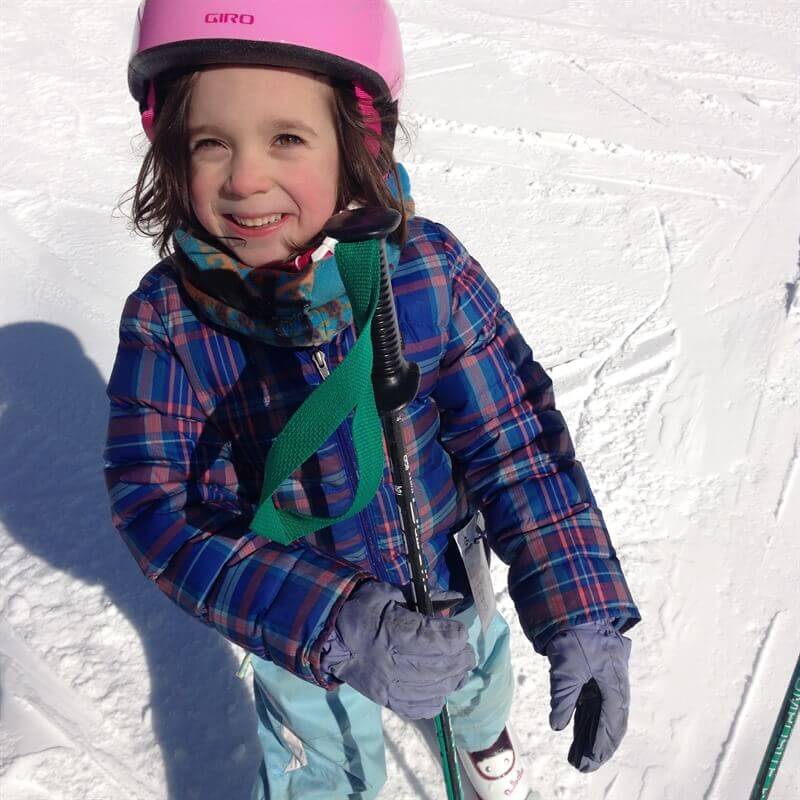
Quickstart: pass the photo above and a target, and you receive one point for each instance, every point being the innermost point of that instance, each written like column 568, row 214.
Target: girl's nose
column 249, row 174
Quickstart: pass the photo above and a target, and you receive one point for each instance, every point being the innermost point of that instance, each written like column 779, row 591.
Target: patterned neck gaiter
column 299, row 304
column 280, row 307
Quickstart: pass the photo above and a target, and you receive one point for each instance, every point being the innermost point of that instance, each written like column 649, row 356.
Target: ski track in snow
column 613, row 91
column 735, row 728
column 618, row 346
column 644, row 161
column 789, row 480
column 67, row 712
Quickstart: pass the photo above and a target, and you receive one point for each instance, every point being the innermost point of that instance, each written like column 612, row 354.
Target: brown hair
column 160, row 199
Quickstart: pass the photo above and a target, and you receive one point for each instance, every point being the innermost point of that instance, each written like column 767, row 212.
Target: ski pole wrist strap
column 348, row 388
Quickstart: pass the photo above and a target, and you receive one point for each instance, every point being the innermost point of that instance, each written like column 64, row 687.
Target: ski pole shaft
column 790, row 708
column 404, row 490
column 395, row 382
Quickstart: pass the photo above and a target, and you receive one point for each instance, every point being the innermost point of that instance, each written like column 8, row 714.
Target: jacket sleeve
column 173, row 492
column 512, row 451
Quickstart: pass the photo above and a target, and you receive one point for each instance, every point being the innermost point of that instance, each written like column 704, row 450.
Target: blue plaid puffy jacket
column 194, row 409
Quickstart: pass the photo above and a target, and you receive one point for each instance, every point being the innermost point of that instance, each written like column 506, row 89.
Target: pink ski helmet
column 355, row 40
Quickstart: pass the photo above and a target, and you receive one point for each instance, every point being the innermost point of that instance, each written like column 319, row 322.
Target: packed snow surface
column 627, row 173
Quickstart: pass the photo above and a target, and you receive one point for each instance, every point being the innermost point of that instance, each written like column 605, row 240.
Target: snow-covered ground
column 628, row 174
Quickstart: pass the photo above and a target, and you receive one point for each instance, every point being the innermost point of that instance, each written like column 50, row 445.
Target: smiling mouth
column 255, row 223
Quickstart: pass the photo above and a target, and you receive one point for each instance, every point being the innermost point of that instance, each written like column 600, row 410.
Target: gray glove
column 397, row 658
column 589, row 668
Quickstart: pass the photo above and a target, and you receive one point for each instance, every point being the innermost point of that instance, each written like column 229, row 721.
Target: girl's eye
column 204, row 143
column 288, row 139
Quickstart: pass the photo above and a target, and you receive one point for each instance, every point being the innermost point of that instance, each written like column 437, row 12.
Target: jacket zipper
column 373, row 551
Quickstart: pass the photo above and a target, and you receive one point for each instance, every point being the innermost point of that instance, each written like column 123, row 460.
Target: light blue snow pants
column 321, row 745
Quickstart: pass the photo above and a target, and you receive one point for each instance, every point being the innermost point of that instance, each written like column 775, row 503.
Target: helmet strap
column 371, row 119
column 149, row 114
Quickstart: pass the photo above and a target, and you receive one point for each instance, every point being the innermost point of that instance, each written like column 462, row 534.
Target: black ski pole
column 395, row 382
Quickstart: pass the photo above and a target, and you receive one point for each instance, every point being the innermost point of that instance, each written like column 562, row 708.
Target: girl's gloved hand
column 397, row 658
column 590, row 661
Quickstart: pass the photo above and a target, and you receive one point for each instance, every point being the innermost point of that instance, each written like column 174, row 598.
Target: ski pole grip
column 394, row 379
column 359, row 224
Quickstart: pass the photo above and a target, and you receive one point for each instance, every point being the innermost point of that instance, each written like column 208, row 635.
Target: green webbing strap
column 348, row 387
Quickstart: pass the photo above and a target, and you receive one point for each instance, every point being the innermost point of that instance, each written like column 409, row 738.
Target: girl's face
column 264, row 158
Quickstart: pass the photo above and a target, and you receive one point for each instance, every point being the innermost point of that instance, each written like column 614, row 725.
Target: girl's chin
column 254, row 255
column 267, row 263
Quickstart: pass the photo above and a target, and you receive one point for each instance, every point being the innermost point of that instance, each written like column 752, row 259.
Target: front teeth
column 257, row 223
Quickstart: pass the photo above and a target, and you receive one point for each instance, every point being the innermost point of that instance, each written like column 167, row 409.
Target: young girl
column 264, row 122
